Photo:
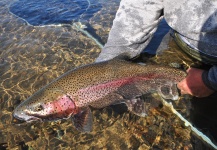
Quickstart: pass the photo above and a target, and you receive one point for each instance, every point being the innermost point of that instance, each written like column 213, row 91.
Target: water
column 39, row 43
column 46, row 12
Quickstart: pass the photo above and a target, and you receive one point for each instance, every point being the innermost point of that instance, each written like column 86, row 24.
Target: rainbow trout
column 99, row 85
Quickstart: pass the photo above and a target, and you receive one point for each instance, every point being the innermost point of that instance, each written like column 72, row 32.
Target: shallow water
column 32, row 56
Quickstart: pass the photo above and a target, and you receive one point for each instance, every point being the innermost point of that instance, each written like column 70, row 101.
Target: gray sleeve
column 210, row 78
column 133, row 27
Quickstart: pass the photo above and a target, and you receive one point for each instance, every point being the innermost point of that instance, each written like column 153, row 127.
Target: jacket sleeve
column 133, row 27
column 210, row 78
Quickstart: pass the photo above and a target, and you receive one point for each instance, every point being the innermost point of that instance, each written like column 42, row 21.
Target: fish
column 97, row 85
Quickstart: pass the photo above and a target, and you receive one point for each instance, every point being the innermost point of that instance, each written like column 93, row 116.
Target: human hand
column 194, row 85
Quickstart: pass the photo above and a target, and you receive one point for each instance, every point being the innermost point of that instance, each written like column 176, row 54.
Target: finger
column 180, row 85
column 188, row 70
column 184, row 89
column 185, row 92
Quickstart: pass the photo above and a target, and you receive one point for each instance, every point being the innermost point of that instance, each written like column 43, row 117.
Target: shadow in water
column 204, row 111
column 204, row 115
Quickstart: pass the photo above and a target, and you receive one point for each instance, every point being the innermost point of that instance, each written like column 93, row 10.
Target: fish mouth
column 26, row 117
column 34, row 119
column 30, row 117
column 50, row 117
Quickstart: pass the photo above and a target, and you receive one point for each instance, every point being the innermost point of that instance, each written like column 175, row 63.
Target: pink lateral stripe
column 92, row 93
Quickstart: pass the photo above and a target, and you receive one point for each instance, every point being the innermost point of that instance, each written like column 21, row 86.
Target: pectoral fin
column 137, row 106
column 83, row 121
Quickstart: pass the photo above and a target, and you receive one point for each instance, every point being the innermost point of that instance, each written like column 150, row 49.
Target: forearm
column 133, row 27
column 210, row 78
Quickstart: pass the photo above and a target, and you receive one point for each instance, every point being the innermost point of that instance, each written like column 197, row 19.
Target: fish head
column 49, row 104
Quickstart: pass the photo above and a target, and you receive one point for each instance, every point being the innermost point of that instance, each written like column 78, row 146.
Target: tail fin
column 169, row 91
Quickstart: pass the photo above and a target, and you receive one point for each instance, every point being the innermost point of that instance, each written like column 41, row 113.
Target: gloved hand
column 194, row 85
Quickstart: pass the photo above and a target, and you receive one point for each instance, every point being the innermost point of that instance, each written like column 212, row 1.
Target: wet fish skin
column 98, row 85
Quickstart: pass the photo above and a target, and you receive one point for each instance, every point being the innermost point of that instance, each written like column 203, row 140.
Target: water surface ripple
column 45, row 12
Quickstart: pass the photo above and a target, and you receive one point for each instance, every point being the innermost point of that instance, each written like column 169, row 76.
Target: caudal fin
column 169, row 91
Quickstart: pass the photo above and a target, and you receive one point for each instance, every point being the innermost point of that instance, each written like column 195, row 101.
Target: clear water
column 46, row 12
column 39, row 43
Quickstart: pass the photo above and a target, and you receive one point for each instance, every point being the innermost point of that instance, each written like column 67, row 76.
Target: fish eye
column 39, row 108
